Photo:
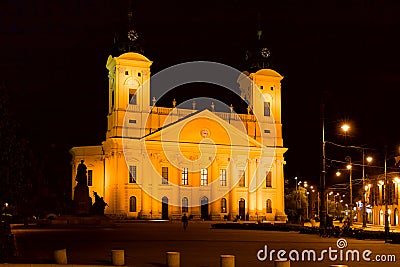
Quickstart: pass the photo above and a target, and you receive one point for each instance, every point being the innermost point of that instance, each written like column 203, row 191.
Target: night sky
column 53, row 56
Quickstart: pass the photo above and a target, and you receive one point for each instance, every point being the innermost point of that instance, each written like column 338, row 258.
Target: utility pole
column 364, row 215
column 323, row 210
column 386, row 201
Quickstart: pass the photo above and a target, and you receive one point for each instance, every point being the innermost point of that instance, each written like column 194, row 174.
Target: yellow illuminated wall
column 150, row 136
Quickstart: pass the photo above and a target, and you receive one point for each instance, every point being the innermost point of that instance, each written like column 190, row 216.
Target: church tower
column 129, row 86
column 261, row 89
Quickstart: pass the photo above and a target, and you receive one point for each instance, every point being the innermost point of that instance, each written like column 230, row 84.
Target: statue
column 98, row 205
column 81, row 191
column 81, row 177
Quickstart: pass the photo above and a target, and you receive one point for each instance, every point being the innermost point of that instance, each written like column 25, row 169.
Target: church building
column 160, row 162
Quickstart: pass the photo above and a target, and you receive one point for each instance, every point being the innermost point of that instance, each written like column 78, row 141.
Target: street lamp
column 345, row 127
column 364, row 216
column 324, row 196
column 349, row 167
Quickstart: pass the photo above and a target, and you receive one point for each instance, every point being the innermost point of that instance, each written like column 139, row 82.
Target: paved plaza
column 146, row 244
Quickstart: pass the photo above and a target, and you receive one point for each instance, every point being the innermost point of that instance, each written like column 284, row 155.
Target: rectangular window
column 203, row 177
column 89, row 177
column 164, row 174
column 132, row 121
column 267, row 109
column 267, row 131
column 126, row 72
column 222, row 177
column 132, row 174
column 268, row 180
column 132, row 97
column 242, row 178
column 185, row 176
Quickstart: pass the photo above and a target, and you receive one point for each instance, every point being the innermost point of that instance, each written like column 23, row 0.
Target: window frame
column 268, row 179
column 204, row 177
column 132, row 174
column 185, row 176
column 222, row 177
column 164, row 175
column 242, row 178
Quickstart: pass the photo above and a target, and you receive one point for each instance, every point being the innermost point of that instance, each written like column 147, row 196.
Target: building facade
column 161, row 162
column 377, row 197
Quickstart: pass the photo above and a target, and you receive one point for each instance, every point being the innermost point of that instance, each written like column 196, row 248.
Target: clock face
column 133, row 35
column 205, row 133
column 265, row 52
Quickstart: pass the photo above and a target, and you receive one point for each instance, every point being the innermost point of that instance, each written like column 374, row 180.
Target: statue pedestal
column 82, row 200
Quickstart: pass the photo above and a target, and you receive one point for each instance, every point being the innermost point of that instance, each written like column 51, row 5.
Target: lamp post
column 323, row 210
column 364, row 216
column 349, row 167
column 386, row 201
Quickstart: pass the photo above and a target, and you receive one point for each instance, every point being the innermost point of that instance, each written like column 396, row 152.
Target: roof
column 134, row 56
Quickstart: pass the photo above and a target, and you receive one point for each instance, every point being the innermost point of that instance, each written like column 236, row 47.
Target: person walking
column 185, row 221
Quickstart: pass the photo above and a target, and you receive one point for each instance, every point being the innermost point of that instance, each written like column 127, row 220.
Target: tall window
column 222, row 177
column 164, row 174
column 132, row 204
column 132, row 174
column 242, row 178
column 269, row 206
column 89, row 177
column 267, row 109
column 185, row 204
column 268, row 180
column 223, row 205
column 185, row 176
column 132, row 96
column 203, row 177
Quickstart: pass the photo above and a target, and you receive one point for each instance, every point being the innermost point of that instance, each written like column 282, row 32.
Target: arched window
column 185, row 204
column 223, row 205
column 132, row 204
column 269, row 206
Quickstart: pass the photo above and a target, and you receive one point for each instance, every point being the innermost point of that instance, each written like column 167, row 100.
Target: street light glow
column 348, row 166
column 369, row 159
column 338, row 173
column 345, row 127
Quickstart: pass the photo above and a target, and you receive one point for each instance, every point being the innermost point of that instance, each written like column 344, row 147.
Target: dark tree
column 16, row 161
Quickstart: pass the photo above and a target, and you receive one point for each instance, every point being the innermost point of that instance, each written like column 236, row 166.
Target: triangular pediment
column 203, row 127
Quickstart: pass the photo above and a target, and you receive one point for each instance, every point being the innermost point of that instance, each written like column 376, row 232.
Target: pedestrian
column 185, row 221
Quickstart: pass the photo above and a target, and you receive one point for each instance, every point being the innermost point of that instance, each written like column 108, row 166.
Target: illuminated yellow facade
column 161, row 162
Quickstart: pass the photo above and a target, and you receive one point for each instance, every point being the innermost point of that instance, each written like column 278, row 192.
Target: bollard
column 60, row 256
column 173, row 259
column 118, row 257
column 281, row 263
column 227, row 261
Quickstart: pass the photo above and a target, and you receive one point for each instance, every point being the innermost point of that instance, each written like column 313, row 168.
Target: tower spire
column 127, row 39
column 258, row 55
